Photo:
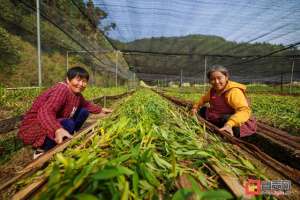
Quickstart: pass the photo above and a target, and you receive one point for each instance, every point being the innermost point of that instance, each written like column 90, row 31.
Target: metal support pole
column 292, row 76
column 94, row 74
column 134, row 84
column 166, row 85
column 104, row 103
column 180, row 77
column 281, row 83
column 38, row 42
column 116, row 68
column 204, row 76
column 67, row 60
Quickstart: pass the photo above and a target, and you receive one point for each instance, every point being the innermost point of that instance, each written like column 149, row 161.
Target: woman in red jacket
column 58, row 112
column 228, row 107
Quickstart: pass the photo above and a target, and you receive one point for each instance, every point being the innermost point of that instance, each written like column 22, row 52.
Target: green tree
column 9, row 55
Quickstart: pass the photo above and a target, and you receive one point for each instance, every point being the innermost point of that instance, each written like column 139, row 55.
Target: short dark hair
column 77, row 71
column 218, row 68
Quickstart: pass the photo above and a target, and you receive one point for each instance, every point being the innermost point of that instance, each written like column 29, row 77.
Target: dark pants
column 71, row 125
column 222, row 121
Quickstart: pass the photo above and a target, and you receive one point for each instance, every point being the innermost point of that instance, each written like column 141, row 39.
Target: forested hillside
column 65, row 26
column 168, row 56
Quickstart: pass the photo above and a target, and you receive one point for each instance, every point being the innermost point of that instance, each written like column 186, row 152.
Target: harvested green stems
column 140, row 152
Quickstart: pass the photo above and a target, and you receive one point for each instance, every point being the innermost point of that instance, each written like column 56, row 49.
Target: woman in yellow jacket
column 228, row 107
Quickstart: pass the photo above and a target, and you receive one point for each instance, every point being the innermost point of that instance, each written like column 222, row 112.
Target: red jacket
column 42, row 118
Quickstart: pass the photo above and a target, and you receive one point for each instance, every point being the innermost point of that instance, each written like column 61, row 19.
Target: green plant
column 139, row 152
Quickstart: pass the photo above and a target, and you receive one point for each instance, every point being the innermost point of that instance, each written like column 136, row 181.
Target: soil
column 17, row 162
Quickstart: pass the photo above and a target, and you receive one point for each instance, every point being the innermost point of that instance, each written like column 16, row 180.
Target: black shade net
column 257, row 40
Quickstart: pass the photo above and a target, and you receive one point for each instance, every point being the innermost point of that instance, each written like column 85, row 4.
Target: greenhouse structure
column 157, row 99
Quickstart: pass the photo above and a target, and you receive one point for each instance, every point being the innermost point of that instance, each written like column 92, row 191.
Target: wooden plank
column 36, row 164
column 278, row 132
column 28, row 190
column 24, row 88
column 47, row 156
column 232, row 182
column 285, row 170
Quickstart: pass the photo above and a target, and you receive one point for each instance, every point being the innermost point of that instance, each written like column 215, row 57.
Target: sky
column 272, row 21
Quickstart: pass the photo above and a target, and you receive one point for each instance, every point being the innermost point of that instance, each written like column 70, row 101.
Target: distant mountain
column 166, row 56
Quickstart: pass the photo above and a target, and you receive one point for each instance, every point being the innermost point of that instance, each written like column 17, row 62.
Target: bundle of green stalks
column 142, row 152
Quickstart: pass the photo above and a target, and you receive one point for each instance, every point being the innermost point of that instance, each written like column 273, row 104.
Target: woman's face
column 218, row 80
column 77, row 84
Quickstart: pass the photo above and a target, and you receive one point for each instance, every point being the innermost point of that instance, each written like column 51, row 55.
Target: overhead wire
column 102, row 33
column 263, row 34
column 138, row 52
column 266, row 55
column 57, row 26
column 170, row 12
column 135, row 7
column 148, row 8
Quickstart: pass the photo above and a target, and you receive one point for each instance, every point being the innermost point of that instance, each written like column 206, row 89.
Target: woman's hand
column 228, row 129
column 194, row 111
column 106, row 110
column 60, row 134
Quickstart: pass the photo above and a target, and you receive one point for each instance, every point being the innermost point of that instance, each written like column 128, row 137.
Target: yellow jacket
column 236, row 99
